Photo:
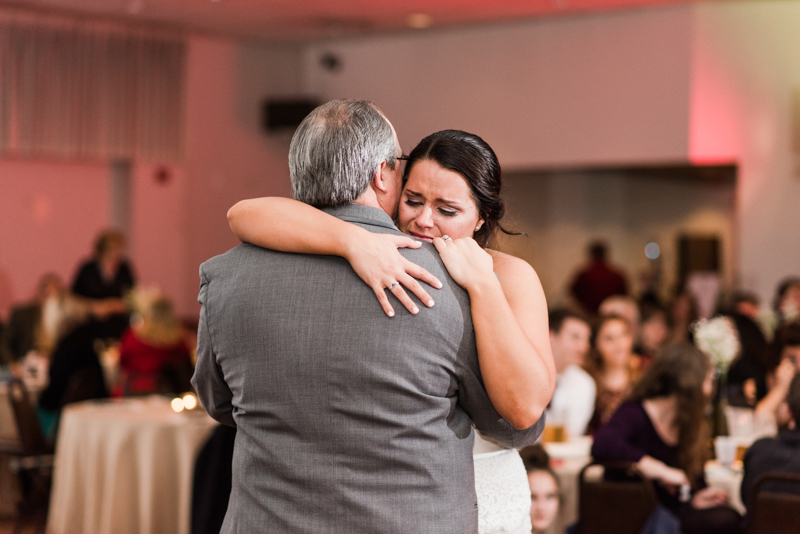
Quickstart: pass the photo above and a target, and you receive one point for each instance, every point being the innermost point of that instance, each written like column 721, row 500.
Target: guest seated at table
column 775, row 455
column 75, row 372
column 573, row 399
column 747, row 374
column 653, row 333
column 107, row 277
column 682, row 314
column 662, row 430
column 787, row 301
column 622, row 306
column 613, row 366
column 154, row 353
column 783, row 362
column 545, row 491
column 18, row 338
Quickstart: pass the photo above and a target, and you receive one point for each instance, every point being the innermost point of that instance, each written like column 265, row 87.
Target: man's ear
column 378, row 181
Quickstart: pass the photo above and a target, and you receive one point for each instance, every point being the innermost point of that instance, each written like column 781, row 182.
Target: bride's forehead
column 431, row 179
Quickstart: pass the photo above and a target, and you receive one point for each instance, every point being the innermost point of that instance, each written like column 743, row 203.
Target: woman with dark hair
column 787, row 300
column 613, row 365
column 661, row 428
column 452, row 199
column 782, row 364
column 104, row 280
column 545, row 488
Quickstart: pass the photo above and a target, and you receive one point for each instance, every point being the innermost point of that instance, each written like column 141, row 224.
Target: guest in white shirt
column 574, row 396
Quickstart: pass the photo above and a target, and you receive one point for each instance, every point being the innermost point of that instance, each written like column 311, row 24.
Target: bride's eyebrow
column 412, row 193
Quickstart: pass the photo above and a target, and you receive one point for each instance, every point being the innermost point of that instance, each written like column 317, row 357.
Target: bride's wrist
column 483, row 285
column 350, row 244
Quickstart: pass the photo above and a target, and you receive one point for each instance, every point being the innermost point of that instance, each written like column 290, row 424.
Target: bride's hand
column 466, row 261
column 376, row 260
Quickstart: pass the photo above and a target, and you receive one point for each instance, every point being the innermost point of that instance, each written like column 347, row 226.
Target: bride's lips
column 429, row 239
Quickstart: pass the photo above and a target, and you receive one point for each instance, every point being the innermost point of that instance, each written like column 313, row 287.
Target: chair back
column 775, row 504
column 614, row 506
column 30, row 433
column 85, row 384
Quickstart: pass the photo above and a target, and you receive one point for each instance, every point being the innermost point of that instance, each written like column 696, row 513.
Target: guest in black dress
column 75, row 372
column 661, row 428
column 107, row 277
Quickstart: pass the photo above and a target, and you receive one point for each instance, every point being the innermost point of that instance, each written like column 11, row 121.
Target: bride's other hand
column 468, row 264
column 376, row 260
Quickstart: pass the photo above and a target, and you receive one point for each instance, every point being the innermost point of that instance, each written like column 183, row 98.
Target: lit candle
column 177, row 404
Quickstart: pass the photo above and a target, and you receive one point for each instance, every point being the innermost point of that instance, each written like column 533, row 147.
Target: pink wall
column 49, row 215
column 228, row 157
column 604, row 88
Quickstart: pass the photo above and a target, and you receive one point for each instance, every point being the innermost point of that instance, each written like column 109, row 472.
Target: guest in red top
column 154, row 353
column 597, row 281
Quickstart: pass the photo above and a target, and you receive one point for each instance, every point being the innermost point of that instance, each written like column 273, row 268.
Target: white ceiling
column 308, row 19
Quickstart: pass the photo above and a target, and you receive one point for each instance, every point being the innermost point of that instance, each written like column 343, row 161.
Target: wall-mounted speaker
column 281, row 114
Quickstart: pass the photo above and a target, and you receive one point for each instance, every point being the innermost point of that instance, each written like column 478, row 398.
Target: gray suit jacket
column 348, row 421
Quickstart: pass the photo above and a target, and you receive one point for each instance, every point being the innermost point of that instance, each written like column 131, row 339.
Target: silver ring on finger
column 446, row 238
column 394, row 285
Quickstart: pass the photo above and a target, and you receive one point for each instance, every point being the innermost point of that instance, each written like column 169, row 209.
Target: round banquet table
column 125, row 466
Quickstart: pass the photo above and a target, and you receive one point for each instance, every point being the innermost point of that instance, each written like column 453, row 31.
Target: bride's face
column 436, row 202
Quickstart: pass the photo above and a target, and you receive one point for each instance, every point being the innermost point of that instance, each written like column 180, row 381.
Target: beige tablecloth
column 125, row 466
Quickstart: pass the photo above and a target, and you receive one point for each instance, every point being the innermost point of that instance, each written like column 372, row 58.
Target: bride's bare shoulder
column 508, row 265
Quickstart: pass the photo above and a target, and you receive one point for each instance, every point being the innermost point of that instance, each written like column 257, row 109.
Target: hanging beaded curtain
column 90, row 90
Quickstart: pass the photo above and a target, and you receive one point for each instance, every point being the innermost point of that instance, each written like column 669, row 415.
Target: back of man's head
column 793, row 400
column 337, row 149
column 598, row 250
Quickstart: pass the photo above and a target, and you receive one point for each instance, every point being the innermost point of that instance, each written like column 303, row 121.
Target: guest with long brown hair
column 661, row 428
column 613, row 365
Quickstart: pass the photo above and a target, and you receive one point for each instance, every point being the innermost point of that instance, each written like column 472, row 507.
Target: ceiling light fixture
column 419, row 21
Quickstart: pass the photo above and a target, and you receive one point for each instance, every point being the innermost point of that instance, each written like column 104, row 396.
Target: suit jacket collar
column 358, row 214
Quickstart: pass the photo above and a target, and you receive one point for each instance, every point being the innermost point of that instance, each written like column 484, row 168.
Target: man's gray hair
column 337, row 149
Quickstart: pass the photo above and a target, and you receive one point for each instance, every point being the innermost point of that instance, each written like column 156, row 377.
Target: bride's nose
column 425, row 218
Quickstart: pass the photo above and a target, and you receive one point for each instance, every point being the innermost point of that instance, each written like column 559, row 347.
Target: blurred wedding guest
column 154, row 352
column 598, row 280
column 653, row 333
column 107, row 276
column 75, row 372
column 787, row 300
column 746, row 380
column 545, row 491
column 780, row 454
column 625, row 307
column 661, row 428
column 20, row 335
column 683, row 313
column 783, row 362
column 613, row 365
column 573, row 398
column 746, row 303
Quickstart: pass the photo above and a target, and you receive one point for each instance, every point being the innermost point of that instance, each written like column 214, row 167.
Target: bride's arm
column 291, row 226
column 509, row 313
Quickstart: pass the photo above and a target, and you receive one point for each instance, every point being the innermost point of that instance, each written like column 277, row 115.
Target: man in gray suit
column 348, row 421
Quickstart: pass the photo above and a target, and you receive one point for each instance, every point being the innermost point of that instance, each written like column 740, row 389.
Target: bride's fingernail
column 415, row 310
column 391, row 314
column 430, row 303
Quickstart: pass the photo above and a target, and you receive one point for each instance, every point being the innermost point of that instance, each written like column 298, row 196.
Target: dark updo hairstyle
column 468, row 155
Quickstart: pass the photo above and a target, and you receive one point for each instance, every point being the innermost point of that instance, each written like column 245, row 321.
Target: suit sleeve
column 208, row 379
column 472, row 397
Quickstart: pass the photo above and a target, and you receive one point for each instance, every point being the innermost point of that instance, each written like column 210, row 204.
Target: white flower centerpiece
column 719, row 340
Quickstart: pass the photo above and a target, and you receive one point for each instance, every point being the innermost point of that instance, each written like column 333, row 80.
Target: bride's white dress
column 504, row 497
